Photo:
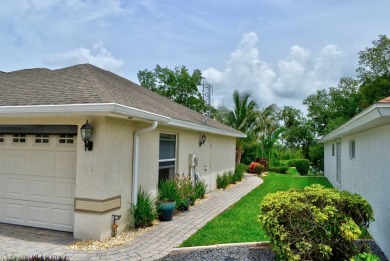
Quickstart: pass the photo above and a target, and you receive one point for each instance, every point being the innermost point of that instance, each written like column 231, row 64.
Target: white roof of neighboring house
column 87, row 89
column 376, row 115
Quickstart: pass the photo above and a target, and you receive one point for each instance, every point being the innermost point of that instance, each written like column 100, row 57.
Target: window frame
column 352, row 149
column 174, row 160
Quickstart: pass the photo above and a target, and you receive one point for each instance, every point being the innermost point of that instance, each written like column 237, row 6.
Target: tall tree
column 329, row 109
column 267, row 129
column 298, row 130
column 178, row 85
column 374, row 71
column 374, row 61
column 242, row 117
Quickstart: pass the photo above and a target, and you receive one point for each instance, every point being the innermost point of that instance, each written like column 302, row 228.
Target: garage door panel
column 63, row 192
column 18, row 164
column 63, row 219
column 38, row 215
column 16, row 188
column 37, row 184
column 40, row 190
column 15, row 211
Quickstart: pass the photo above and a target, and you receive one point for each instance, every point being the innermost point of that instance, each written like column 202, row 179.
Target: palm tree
column 268, row 129
column 242, row 118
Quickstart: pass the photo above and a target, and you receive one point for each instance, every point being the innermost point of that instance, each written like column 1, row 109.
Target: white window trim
column 352, row 149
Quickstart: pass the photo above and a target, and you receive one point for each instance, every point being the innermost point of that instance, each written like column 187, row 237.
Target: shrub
column 263, row 161
column 291, row 163
column 223, row 181
column 282, row 170
column 302, row 166
column 184, row 186
column 239, row 171
column 200, row 188
column 314, row 224
column 144, row 212
column 258, row 168
column 366, row 257
column 167, row 191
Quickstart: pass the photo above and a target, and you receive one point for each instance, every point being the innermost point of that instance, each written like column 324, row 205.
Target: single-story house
column 50, row 178
column 357, row 159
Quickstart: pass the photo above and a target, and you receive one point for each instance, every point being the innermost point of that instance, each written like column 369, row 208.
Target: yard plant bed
column 239, row 223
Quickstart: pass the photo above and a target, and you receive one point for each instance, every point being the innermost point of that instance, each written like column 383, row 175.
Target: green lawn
column 239, row 222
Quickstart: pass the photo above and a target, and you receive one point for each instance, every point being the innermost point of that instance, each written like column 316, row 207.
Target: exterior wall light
column 86, row 135
column 202, row 140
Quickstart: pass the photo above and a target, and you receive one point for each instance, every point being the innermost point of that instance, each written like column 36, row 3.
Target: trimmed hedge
column 282, row 169
column 302, row 166
column 314, row 224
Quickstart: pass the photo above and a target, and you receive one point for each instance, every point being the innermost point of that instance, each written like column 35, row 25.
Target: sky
column 281, row 51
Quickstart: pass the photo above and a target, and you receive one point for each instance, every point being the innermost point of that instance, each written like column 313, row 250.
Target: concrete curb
column 248, row 244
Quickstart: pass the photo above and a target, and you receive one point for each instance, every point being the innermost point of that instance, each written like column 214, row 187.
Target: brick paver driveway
column 154, row 244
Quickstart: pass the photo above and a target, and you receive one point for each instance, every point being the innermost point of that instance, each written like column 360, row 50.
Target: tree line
column 278, row 133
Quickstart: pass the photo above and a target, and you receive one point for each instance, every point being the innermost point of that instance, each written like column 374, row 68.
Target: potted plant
column 186, row 191
column 167, row 196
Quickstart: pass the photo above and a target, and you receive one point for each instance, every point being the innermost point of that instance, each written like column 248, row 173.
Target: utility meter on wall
column 193, row 160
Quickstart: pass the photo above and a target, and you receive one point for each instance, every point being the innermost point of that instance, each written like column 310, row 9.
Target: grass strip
column 239, row 222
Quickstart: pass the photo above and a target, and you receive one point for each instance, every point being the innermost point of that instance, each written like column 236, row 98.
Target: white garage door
column 37, row 180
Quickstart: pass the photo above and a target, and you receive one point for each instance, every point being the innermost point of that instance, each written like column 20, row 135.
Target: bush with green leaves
column 291, row 163
column 281, row 169
column 314, row 224
column 239, row 171
column 258, row 168
column 144, row 212
column 366, row 257
column 200, row 188
column 167, row 191
column 302, row 166
column 223, row 181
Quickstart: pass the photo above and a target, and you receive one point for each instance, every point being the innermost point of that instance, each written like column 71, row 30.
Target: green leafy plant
column 366, row 257
column 144, row 212
column 200, row 188
column 239, row 171
column 281, row 169
column 223, row 181
column 258, row 169
column 167, row 190
column 302, row 166
column 185, row 190
column 314, row 224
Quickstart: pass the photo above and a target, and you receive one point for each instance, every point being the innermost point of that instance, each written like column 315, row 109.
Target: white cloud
column 288, row 82
column 98, row 56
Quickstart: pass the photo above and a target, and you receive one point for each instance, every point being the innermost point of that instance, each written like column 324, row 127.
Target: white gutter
column 134, row 190
column 204, row 128
column 74, row 109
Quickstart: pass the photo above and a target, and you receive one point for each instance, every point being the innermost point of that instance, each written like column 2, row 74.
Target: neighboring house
column 49, row 180
column 357, row 159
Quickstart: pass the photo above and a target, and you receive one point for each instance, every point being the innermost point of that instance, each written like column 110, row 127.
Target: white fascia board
column 74, row 109
column 369, row 118
column 203, row 128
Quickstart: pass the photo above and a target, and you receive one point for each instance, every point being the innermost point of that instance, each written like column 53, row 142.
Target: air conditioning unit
column 193, row 160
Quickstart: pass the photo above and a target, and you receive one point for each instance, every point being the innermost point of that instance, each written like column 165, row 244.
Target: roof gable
column 88, row 84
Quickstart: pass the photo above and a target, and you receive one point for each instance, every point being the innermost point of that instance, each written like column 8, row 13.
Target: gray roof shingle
column 88, row 84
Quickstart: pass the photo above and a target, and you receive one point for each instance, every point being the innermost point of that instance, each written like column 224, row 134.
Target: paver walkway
column 152, row 245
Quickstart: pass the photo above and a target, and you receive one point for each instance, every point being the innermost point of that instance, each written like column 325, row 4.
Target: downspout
column 135, row 159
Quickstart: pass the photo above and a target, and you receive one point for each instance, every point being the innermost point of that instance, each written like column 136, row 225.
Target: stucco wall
column 367, row 175
column 104, row 173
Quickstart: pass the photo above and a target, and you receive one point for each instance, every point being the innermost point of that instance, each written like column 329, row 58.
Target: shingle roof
column 88, row 84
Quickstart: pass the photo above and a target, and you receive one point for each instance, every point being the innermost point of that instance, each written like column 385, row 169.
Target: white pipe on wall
column 134, row 191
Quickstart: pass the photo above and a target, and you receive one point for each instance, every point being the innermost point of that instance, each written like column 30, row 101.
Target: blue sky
column 279, row 50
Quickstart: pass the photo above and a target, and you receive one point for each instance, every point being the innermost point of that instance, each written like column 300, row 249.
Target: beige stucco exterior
column 106, row 171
